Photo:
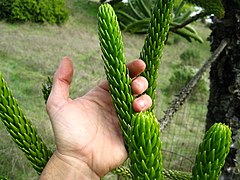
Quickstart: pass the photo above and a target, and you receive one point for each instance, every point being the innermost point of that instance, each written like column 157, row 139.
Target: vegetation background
column 31, row 52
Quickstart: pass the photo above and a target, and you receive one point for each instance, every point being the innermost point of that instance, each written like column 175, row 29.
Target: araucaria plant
column 141, row 131
column 22, row 131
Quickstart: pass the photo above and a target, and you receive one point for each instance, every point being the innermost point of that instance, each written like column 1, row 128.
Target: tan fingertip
column 139, row 85
column 138, row 105
column 66, row 57
column 65, row 70
column 136, row 67
column 142, row 103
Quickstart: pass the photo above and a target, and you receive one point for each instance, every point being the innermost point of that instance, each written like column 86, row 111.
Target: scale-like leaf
column 212, row 152
column 21, row 129
column 154, row 43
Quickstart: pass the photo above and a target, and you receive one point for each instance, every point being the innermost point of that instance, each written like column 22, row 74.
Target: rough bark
column 224, row 100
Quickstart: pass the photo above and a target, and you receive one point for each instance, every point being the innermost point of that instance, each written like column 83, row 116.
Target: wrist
column 63, row 167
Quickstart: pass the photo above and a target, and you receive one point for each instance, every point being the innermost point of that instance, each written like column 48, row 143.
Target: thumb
column 61, row 83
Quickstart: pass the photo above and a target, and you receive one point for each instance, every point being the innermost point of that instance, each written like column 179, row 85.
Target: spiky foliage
column 135, row 16
column 115, row 66
column 123, row 171
column 141, row 130
column 46, row 88
column 211, row 6
column 154, row 43
column 176, row 175
column 169, row 174
column 21, row 129
column 212, row 153
column 145, row 149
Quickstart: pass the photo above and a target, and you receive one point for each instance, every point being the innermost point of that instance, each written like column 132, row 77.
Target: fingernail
column 139, row 84
column 141, row 103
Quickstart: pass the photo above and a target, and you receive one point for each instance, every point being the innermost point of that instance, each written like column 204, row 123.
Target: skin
column 88, row 139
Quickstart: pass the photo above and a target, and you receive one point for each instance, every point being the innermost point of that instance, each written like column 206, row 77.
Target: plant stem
column 188, row 21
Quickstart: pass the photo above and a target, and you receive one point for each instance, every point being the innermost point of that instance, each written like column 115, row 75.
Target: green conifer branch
column 169, row 174
column 154, row 43
column 123, row 171
column 21, row 129
column 176, row 175
column 115, row 66
column 141, row 130
column 46, row 88
column 145, row 147
column 212, row 153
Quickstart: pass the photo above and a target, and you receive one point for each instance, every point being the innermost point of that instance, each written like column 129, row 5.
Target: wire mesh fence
column 182, row 136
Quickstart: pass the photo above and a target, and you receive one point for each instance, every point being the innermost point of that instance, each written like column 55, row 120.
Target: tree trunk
column 224, row 100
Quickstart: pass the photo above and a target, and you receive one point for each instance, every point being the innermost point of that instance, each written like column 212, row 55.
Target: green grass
column 30, row 52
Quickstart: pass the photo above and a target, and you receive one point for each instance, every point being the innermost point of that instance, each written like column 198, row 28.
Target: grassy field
column 31, row 52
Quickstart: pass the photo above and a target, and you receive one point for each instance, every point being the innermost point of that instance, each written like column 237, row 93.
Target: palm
column 92, row 131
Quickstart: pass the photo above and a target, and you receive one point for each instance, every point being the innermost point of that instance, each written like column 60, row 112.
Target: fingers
column 61, row 82
column 135, row 67
column 142, row 103
column 139, row 85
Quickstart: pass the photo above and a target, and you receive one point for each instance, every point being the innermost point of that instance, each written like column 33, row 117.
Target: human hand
column 87, row 134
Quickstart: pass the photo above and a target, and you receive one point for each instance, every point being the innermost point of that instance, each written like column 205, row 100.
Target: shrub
column 51, row 11
column 5, row 8
column 191, row 57
column 181, row 76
